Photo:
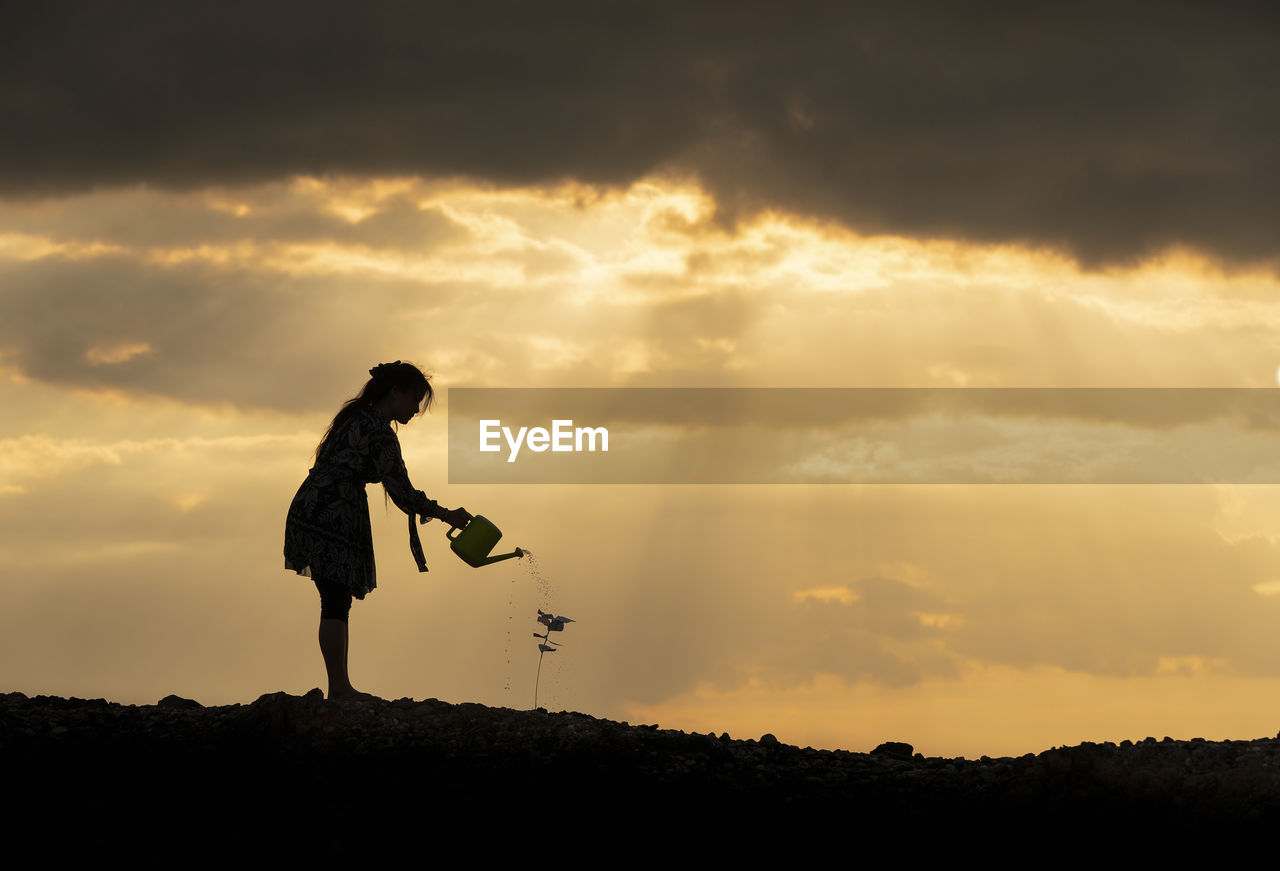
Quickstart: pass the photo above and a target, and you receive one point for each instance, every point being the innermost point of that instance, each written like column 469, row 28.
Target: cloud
column 923, row 583
column 297, row 212
column 875, row 629
column 205, row 334
column 106, row 355
column 42, row 456
column 127, row 289
column 1109, row 131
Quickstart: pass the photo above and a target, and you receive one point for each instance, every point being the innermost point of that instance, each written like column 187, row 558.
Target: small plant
column 553, row 624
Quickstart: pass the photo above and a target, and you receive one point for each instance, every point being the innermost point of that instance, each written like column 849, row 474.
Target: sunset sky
column 214, row 218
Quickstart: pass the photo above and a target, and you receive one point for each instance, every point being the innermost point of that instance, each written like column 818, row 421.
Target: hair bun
column 383, row 370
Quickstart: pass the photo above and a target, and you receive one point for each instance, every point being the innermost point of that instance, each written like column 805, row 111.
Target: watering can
column 475, row 541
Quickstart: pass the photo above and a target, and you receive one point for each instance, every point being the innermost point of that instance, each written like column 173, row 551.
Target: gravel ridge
column 311, row 755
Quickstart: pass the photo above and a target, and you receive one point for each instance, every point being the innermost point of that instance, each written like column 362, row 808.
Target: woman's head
column 397, row 384
column 406, row 378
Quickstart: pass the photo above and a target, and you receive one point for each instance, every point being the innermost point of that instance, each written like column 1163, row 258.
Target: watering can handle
column 451, row 533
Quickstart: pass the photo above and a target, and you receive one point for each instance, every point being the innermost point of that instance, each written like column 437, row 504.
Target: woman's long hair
column 383, row 378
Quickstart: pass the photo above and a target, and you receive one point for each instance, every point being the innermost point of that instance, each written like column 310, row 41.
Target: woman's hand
column 458, row 517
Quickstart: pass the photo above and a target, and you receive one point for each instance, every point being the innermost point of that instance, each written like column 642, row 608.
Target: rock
column 178, row 702
column 896, row 749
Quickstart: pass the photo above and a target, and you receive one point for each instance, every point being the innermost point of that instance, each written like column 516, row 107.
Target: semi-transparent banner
column 864, row 436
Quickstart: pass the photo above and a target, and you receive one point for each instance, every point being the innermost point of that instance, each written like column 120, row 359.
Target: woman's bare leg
column 334, row 645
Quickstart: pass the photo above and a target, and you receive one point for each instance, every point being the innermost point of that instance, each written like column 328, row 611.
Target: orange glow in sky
column 171, row 359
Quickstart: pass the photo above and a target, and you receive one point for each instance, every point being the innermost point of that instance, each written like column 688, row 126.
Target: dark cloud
column 1106, row 130
column 200, row 334
column 142, row 219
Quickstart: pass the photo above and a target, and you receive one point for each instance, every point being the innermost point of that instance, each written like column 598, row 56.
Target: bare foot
column 353, row 696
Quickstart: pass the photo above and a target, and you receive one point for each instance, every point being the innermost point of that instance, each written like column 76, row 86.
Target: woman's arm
column 389, row 464
column 395, row 478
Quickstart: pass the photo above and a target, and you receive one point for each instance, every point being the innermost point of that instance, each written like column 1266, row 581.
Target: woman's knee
column 335, row 601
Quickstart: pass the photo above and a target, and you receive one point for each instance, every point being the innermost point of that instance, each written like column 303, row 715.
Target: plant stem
column 541, row 653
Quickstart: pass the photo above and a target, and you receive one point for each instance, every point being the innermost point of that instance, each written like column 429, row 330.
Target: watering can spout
column 517, row 553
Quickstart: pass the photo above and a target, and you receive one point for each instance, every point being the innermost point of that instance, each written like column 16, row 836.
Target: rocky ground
column 298, row 759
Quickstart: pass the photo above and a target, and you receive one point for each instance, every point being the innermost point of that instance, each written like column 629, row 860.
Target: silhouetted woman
column 327, row 536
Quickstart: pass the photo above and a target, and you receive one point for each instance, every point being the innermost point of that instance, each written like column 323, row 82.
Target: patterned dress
column 327, row 533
